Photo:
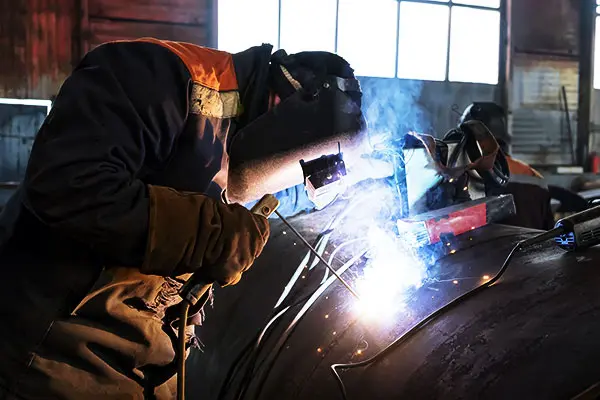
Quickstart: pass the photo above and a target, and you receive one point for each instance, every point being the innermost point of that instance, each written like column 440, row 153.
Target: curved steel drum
column 533, row 335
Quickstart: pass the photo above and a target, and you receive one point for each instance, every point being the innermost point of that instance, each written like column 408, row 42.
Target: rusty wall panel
column 36, row 46
column 545, row 26
column 174, row 11
column 104, row 30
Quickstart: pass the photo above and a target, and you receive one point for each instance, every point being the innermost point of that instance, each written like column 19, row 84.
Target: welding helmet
column 307, row 138
column 493, row 117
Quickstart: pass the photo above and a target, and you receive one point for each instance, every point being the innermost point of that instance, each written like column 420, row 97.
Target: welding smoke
column 394, row 269
column 392, row 108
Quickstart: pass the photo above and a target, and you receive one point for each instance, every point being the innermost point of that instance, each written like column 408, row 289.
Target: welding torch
column 195, row 290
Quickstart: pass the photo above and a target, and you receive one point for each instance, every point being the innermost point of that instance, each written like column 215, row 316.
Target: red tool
column 433, row 226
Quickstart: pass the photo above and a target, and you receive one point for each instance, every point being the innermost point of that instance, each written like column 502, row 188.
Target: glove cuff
column 173, row 224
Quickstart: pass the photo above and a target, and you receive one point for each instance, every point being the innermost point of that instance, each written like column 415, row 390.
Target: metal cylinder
column 531, row 335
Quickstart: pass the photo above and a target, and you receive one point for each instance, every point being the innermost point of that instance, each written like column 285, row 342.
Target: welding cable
column 337, row 250
column 305, row 242
column 252, row 371
column 181, row 350
column 283, row 310
column 303, row 265
column 252, row 349
column 250, row 352
column 276, row 351
column 460, row 299
column 321, row 242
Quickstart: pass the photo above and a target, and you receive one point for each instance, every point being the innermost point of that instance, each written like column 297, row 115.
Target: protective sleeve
column 116, row 117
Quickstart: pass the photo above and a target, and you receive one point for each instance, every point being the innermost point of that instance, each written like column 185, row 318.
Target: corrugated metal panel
column 539, row 122
column 36, row 42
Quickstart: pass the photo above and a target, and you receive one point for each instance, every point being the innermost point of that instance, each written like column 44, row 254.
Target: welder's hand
column 242, row 236
column 191, row 232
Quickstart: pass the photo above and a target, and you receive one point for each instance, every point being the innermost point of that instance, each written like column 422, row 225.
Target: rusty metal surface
column 106, row 30
column 546, row 26
column 36, row 40
column 173, row 11
column 180, row 20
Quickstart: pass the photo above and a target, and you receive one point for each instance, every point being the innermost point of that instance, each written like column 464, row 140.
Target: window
column 304, row 28
column 370, row 49
column 474, row 48
column 243, row 24
column 456, row 40
column 423, row 41
column 47, row 104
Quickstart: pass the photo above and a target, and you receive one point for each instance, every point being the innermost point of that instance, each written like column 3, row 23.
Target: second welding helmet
column 319, row 115
column 493, row 117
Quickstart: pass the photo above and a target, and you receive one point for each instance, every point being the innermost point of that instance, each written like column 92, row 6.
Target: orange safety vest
column 517, row 167
column 208, row 67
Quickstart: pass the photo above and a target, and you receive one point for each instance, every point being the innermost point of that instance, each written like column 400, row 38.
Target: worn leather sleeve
column 191, row 232
column 118, row 115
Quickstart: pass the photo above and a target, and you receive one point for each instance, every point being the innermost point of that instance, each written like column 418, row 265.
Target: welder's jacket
column 90, row 279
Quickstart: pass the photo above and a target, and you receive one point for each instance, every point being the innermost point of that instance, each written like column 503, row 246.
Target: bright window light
column 423, row 41
column 597, row 55
column 474, row 45
column 243, row 24
column 370, row 50
column 307, row 25
column 598, row 10
column 29, row 102
column 482, row 3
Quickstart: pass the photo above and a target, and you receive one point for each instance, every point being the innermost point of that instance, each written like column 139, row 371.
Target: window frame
column 447, row 3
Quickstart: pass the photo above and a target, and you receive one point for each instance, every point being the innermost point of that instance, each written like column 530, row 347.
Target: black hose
column 185, row 308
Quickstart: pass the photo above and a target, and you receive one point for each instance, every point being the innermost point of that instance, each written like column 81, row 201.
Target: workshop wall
column 41, row 41
column 182, row 20
column 37, row 44
column 545, row 60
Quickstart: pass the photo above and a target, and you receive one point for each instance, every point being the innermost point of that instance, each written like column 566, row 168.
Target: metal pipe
column 586, row 67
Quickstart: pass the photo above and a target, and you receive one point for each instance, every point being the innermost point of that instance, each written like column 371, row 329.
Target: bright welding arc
column 425, row 321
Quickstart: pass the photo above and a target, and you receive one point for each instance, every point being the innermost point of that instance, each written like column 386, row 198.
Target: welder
column 527, row 185
column 113, row 214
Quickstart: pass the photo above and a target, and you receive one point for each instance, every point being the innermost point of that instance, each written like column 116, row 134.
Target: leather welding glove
column 190, row 232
